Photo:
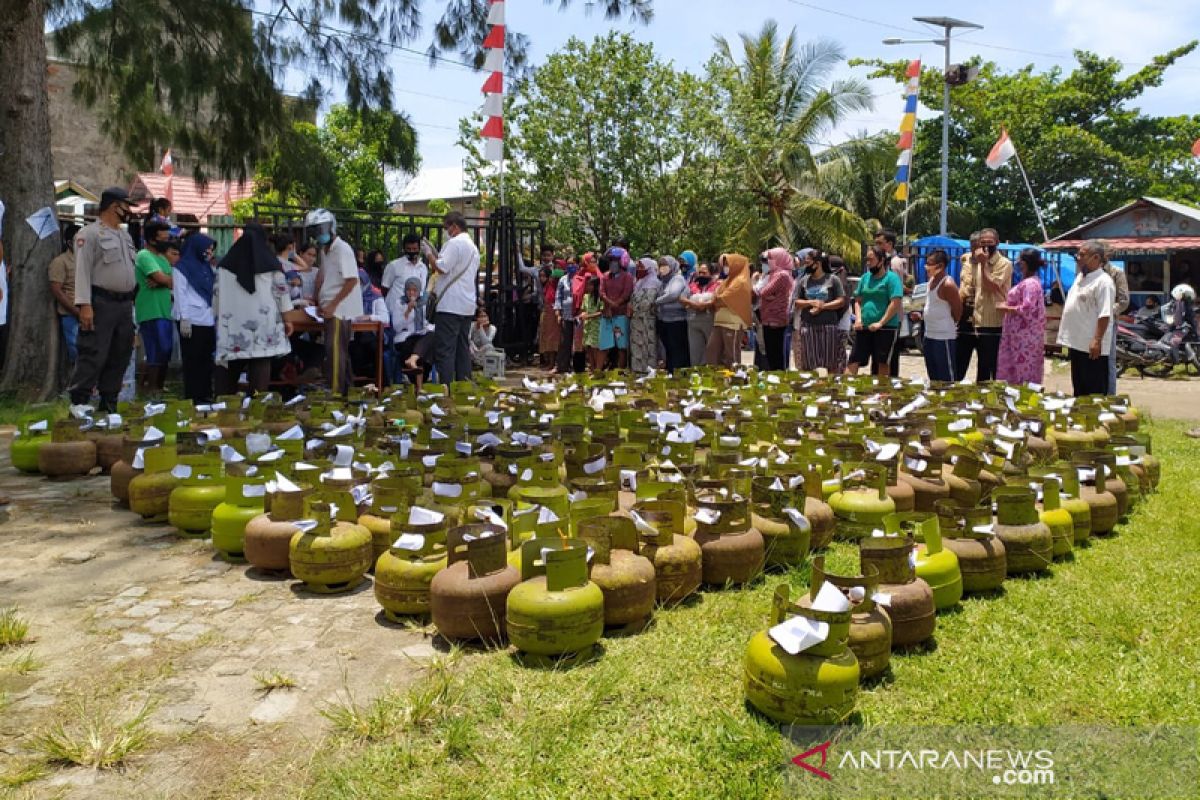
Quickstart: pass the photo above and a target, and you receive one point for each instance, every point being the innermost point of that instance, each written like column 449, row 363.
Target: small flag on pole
column 1196, row 148
column 1002, row 152
column 908, row 124
column 493, row 88
column 167, row 167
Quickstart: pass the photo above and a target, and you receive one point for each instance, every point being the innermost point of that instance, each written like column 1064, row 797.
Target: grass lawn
column 1110, row 638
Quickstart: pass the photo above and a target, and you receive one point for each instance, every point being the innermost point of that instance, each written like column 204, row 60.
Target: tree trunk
column 26, row 185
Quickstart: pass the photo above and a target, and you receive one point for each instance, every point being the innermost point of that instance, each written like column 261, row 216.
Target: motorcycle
column 1157, row 357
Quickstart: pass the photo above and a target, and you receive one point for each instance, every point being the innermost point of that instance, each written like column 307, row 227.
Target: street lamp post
column 948, row 24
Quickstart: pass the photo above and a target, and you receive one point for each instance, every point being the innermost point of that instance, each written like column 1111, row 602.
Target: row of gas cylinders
column 806, row 668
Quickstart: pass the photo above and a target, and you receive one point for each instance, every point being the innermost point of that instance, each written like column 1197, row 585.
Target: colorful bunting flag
column 908, row 124
column 493, row 87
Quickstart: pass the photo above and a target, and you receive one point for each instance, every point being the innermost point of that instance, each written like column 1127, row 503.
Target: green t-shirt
column 152, row 301
column 874, row 294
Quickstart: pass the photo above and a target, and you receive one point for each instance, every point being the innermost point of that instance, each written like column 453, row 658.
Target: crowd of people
column 277, row 308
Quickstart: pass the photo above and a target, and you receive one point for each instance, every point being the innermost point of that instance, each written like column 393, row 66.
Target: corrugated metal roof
column 1133, row 244
column 1168, row 205
column 440, row 183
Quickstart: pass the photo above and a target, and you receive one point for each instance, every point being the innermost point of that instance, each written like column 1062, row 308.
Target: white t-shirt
column 460, row 257
column 1091, row 298
column 397, row 272
column 337, row 267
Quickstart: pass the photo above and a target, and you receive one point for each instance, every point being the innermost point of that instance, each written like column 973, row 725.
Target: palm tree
column 859, row 175
column 780, row 107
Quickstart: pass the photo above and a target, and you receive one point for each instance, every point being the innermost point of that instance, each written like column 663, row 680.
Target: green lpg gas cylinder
column 862, row 503
column 1028, row 543
column 936, row 564
column 330, row 556
column 244, row 497
column 624, row 575
column 201, row 489
column 677, row 558
column 556, row 612
column 817, row 685
column 404, row 572
column 870, row 624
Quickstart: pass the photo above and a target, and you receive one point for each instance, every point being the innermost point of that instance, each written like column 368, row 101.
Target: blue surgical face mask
column 324, row 238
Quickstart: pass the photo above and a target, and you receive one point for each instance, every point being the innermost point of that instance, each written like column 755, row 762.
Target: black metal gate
column 501, row 238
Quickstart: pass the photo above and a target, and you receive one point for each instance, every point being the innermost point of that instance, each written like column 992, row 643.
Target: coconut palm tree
column 781, row 105
column 859, row 175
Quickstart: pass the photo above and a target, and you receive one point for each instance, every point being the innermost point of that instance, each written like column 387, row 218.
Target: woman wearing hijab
column 643, row 343
column 589, row 267
column 250, row 298
column 698, row 300
column 672, row 316
column 733, row 315
column 774, row 298
column 193, row 280
column 820, row 298
column 549, row 329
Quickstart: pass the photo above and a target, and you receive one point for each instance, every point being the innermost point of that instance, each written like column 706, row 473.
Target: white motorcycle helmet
column 320, row 226
column 1184, row 292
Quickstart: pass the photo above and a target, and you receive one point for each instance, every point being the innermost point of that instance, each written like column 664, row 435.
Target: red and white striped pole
column 493, row 89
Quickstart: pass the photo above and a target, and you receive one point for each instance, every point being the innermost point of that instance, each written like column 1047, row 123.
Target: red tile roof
column 1133, row 244
column 187, row 197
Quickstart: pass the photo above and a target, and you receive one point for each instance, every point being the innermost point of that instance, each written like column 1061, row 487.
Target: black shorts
column 874, row 346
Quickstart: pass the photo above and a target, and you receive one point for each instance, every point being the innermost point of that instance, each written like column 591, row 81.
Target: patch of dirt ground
column 124, row 613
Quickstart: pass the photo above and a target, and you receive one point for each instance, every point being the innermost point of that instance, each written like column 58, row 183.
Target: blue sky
column 1016, row 33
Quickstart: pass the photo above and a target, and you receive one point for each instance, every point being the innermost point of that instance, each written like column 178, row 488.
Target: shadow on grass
column 569, row 661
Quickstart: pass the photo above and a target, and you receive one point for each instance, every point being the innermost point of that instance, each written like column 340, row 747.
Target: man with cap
column 105, row 285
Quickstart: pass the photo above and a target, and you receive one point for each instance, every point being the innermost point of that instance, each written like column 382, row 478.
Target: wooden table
column 310, row 325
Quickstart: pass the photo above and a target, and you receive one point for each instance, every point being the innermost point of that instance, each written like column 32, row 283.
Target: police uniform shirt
column 103, row 259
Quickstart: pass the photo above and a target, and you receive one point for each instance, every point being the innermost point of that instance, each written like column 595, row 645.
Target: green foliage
column 859, row 175
column 778, row 107
column 607, row 140
column 205, row 78
column 1086, row 148
column 341, row 164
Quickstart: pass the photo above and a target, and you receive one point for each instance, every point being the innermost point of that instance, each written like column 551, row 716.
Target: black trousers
column 451, row 347
column 527, row 329
column 674, row 337
column 963, row 349
column 1088, row 375
column 104, row 352
column 196, row 357
column 773, row 342
column 987, row 345
column 566, row 344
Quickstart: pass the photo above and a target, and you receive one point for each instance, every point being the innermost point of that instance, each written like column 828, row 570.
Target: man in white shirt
column 397, row 273
column 457, row 270
column 1085, row 320
column 339, row 296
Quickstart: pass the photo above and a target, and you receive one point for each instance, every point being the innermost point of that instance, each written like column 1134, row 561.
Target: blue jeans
column 939, row 359
column 69, row 324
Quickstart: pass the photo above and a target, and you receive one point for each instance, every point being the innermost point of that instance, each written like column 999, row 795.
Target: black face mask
column 703, row 280
column 991, row 249
column 413, row 257
column 162, row 247
column 809, row 270
column 876, row 269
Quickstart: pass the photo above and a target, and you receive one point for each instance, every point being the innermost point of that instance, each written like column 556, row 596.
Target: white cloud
column 1129, row 31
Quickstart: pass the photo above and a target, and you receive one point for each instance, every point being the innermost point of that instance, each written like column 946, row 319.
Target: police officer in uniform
column 104, row 291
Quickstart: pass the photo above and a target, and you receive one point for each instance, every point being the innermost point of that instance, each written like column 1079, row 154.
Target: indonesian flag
column 1196, row 148
column 167, row 167
column 1002, row 152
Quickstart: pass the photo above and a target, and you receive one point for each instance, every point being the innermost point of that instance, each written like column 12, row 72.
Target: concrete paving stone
column 275, row 707
column 136, row 639
column 221, row 605
column 195, row 602
column 160, row 626
column 134, row 591
column 190, row 713
column 189, row 632
column 227, row 669
column 119, row 603
column 77, row 556
column 161, row 603
column 116, row 624
column 143, row 611
column 419, row 650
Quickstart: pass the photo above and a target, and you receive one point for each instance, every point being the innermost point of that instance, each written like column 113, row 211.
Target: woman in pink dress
column 1023, row 340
